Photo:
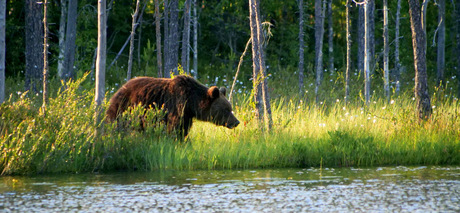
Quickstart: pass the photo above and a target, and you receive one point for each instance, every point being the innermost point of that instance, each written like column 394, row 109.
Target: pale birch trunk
column 386, row 51
column 257, row 86
column 360, row 39
column 367, row 82
column 319, row 37
column 348, row 69
column 131, row 43
column 166, row 47
column 101, row 58
column 195, row 39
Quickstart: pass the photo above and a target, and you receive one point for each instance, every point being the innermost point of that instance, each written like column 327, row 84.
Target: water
column 383, row 189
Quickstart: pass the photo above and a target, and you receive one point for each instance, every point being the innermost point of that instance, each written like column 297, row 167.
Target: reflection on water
column 292, row 190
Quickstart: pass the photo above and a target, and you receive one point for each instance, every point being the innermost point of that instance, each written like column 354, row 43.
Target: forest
column 338, row 83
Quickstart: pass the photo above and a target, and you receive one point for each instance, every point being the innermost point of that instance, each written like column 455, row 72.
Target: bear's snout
column 233, row 125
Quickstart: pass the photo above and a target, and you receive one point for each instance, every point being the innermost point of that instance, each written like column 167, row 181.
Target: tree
column 2, row 50
column 422, row 95
column 131, row 45
column 186, row 37
column 70, row 38
column 62, row 27
column 348, row 36
column 441, row 59
column 360, row 40
column 34, row 42
column 301, row 47
column 330, row 36
column 367, row 54
column 262, row 100
column 195, row 39
column 457, row 14
column 45, row 56
column 319, row 36
column 173, row 38
column 397, row 64
column 101, row 57
column 158, row 38
column 386, row 51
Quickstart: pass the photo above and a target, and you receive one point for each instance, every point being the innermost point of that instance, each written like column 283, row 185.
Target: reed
column 332, row 134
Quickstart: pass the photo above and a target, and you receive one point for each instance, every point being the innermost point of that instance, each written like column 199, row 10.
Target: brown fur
column 182, row 97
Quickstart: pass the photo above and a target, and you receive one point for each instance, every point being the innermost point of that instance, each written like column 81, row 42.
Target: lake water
column 381, row 189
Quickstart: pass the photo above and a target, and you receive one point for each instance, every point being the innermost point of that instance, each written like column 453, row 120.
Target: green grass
column 333, row 134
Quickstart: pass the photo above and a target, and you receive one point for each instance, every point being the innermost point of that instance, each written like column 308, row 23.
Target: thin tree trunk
column 131, row 44
column 441, row 60
column 167, row 57
column 330, row 36
column 45, row 56
column 423, row 18
column 62, row 27
column 457, row 9
column 195, row 39
column 360, row 38
column 371, row 11
column 386, row 51
column 348, row 70
column 139, row 38
column 70, row 46
column 319, row 36
column 397, row 64
column 257, row 86
column 174, row 36
column 367, row 52
column 34, row 48
column 418, row 41
column 301, row 48
column 2, row 50
column 101, row 58
column 186, row 37
column 158, row 38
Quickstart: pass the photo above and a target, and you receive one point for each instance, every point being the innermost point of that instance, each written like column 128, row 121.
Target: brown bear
column 183, row 98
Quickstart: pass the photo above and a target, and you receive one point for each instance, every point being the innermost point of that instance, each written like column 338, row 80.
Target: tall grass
column 304, row 134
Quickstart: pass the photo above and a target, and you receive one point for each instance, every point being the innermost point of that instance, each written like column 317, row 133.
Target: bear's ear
column 223, row 90
column 213, row 92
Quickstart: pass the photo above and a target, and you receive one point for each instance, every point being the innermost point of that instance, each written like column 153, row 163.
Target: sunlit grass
column 305, row 134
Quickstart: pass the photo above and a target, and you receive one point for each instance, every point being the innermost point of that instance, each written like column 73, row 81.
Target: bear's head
column 220, row 110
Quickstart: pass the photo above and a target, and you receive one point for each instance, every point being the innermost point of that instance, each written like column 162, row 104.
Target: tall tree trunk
column 186, row 37
column 330, row 36
column 423, row 19
column 158, row 38
column 174, row 35
column 457, row 12
column 371, row 15
column 259, row 61
column 2, row 50
column 62, row 27
column 301, row 48
column 70, row 38
column 34, row 42
column 397, row 64
column 45, row 56
column 257, row 86
column 101, row 58
column 360, row 33
column 195, row 39
column 348, row 70
column 386, row 50
column 441, row 60
column 367, row 54
column 319, row 36
column 167, row 57
column 418, row 41
column 131, row 44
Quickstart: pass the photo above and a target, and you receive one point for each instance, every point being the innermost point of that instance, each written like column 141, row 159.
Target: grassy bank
column 304, row 135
